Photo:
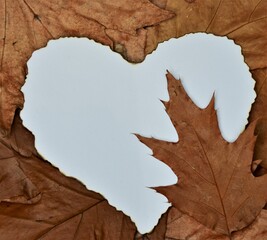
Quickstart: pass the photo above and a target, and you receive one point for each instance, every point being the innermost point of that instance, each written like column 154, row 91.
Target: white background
column 83, row 102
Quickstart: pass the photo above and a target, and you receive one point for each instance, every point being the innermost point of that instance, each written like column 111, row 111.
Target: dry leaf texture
column 27, row 25
column 259, row 111
column 39, row 202
column 216, row 185
column 180, row 226
column 62, row 206
column 244, row 21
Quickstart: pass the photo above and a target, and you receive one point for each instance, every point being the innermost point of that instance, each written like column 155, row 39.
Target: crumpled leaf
column 216, row 185
column 65, row 209
column 27, row 25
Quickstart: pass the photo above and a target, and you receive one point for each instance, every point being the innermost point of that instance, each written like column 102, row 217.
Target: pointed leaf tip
column 209, row 166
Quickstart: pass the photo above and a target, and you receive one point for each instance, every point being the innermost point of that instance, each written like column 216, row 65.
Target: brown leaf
column 158, row 233
column 129, row 46
column 181, row 226
column 65, row 209
column 244, row 21
column 260, row 105
column 15, row 185
column 256, row 231
column 216, row 185
column 176, row 225
column 27, row 25
column 259, row 111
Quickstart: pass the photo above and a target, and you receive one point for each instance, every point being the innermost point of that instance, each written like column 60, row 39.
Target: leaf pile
column 222, row 187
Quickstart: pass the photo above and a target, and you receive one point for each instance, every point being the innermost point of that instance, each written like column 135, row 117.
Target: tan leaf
column 65, row 209
column 216, row 185
column 27, row 25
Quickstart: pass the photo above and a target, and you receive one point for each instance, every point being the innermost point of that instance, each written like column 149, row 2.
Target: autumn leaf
column 180, row 226
column 259, row 111
column 216, row 186
column 36, row 196
column 28, row 25
column 15, row 185
column 243, row 21
column 63, row 208
column 159, row 232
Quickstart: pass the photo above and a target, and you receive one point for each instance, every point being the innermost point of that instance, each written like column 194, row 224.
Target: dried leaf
column 256, row 231
column 176, row 225
column 15, row 184
column 65, row 209
column 28, row 25
column 158, row 233
column 216, row 185
column 259, row 111
column 62, row 207
column 243, row 21
column 181, row 226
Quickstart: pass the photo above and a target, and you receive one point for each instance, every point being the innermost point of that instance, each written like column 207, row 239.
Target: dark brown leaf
column 216, row 185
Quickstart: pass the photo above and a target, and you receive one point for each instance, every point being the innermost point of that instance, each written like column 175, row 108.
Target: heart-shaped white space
column 83, row 102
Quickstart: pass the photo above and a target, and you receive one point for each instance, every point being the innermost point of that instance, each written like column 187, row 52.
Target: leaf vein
column 182, row 159
column 215, row 181
column 213, row 17
column 66, row 219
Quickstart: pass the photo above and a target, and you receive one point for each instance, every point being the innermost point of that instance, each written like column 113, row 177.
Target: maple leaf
column 63, row 208
column 28, row 25
column 243, row 21
column 216, row 185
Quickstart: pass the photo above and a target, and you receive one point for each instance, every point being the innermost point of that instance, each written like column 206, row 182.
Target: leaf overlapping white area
column 84, row 101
